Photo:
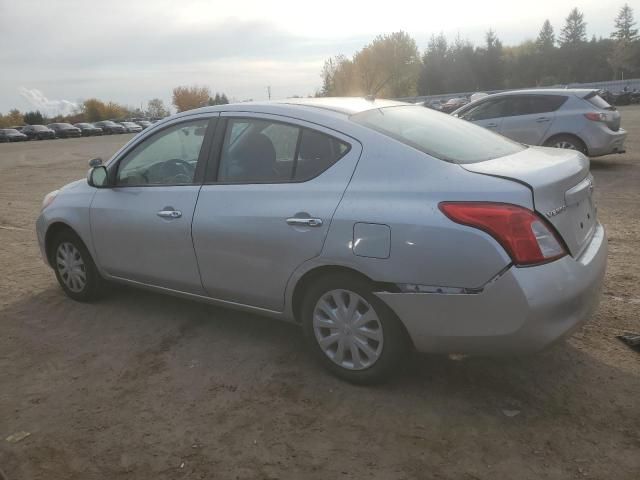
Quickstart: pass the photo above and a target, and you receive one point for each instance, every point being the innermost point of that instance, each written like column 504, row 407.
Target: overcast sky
column 55, row 53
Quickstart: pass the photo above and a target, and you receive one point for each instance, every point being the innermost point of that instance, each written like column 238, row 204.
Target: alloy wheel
column 565, row 144
column 348, row 329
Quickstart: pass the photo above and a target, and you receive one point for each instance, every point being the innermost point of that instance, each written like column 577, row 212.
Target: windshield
column 436, row 134
column 39, row 128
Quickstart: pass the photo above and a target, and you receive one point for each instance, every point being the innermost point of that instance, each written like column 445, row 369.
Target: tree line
column 94, row 110
column 391, row 65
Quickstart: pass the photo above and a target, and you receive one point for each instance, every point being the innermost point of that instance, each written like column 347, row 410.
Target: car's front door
column 530, row 117
column 268, row 205
column 487, row 113
column 141, row 227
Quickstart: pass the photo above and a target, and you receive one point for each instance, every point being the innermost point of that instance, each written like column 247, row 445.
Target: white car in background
column 576, row 119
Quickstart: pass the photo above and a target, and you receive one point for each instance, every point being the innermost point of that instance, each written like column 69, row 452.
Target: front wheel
column 352, row 332
column 75, row 271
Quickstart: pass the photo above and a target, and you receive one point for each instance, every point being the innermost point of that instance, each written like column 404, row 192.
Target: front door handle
column 543, row 119
column 492, row 125
column 304, row 222
column 167, row 213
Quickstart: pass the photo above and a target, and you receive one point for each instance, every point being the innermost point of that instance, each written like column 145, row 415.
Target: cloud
column 47, row 106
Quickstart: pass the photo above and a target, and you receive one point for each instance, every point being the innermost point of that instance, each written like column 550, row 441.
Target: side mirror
column 98, row 177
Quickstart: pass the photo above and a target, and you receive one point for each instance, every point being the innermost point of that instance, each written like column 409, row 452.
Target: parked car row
column 67, row 130
column 624, row 97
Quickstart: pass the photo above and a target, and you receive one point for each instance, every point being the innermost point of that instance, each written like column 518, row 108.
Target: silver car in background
column 379, row 227
column 576, row 119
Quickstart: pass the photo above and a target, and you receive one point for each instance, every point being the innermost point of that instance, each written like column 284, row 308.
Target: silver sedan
column 379, row 227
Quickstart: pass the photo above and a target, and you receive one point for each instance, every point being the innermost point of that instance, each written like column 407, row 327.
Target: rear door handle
column 492, row 125
column 543, row 119
column 168, row 213
column 304, row 222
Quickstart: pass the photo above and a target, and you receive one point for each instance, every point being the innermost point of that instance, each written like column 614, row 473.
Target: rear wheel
column 569, row 142
column 352, row 332
column 75, row 271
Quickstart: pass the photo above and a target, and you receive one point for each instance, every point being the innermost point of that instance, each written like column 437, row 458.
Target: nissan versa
column 378, row 226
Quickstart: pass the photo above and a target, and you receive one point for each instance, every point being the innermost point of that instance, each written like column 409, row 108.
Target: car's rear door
column 267, row 204
column 141, row 227
column 530, row 117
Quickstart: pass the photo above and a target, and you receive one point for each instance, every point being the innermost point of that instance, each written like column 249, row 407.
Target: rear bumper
column 523, row 311
column 602, row 141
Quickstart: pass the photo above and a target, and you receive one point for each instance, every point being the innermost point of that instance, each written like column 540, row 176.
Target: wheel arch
column 52, row 231
column 567, row 134
column 307, row 279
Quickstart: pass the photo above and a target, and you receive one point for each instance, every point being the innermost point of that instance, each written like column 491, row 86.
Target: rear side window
column 439, row 135
column 317, row 153
column 263, row 151
column 534, row 104
column 598, row 102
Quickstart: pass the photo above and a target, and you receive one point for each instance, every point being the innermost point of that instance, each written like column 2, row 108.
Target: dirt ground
column 143, row 386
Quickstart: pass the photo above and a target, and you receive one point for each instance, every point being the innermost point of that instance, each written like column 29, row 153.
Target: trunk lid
column 561, row 184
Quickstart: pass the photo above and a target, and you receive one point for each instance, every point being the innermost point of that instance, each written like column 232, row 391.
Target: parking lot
column 141, row 385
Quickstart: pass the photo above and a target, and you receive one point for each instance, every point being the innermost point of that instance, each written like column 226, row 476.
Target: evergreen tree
column 624, row 23
column 491, row 70
column 432, row 78
column 546, row 38
column 574, row 31
column 33, row 118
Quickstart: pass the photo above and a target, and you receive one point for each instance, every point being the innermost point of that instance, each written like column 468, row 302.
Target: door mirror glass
column 98, row 177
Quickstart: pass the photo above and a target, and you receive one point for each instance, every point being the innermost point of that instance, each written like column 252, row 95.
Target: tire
column 569, row 142
column 385, row 337
column 83, row 283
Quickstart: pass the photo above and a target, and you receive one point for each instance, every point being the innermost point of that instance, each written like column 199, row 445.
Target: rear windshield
column 439, row 135
column 598, row 102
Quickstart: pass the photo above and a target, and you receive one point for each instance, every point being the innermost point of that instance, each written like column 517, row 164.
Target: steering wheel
column 178, row 170
column 178, row 163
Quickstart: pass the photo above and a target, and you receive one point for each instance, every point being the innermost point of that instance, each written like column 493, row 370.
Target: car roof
column 343, row 105
column 579, row 92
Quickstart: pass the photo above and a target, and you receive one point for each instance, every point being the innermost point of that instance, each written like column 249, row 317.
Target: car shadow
column 607, row 164
column 137, row 367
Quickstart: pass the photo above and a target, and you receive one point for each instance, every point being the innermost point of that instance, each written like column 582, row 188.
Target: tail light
column 527, row 237
column 596, row 116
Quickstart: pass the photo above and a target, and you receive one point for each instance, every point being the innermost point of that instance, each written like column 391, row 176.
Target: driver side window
column 167, row 158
